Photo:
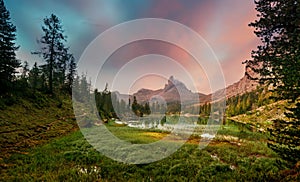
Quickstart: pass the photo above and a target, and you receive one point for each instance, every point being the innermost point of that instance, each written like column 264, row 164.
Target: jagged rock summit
column 173, row 91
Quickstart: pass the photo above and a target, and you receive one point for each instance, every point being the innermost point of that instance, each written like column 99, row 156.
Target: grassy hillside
column 29, row 122
column 261, row 118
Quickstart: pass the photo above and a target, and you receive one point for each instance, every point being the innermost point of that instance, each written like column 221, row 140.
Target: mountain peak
column 173, row 81
column 171, row 78
column 174, row 90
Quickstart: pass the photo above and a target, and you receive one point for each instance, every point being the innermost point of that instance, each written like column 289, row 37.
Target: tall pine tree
column 277, row 60
column 53, row 48
column 71, row 73
column 8, row 61
column 34, row 77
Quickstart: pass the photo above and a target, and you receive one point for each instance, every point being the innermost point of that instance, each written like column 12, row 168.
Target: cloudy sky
column 223, row 24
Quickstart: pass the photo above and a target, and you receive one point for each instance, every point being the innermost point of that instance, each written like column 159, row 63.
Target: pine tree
column 44, row 75
column 76, row 89
column 84, row 88
column 129, row 104
column 34, row 75
column 71, row 73
column 25, row 69
column 147, row 108
column 53, row 48
column 8, row 61
column 277, row 61
column 22, row 82
column 134, row 106
column 61, row 68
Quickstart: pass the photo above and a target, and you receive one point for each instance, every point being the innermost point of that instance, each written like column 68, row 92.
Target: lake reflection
column 187, row 125
column 162, row 122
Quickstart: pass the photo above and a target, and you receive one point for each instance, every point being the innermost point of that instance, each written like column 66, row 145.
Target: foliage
column 56, row 54
column 110, row 106
column 105, row 102
column 277, row 61
column 35, row 81
column 240, row 104
column 139, row 109
column 174, row 107
column 59, row 70
column 205, row 109
column 71, row 74
column 8, row 61
column 285, row 138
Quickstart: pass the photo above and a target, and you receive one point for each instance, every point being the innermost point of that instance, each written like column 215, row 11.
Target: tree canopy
column 54, row 51
column 8, row 61
column 277, row 60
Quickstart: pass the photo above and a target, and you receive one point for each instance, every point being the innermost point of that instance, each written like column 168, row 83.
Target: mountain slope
column 244, row 85
column 173, row 91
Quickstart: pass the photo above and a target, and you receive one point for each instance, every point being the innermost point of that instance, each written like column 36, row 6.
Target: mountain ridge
column 175, row 90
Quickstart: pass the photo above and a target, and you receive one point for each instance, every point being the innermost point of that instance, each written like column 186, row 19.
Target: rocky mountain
column 242, row 86
column 173, row 91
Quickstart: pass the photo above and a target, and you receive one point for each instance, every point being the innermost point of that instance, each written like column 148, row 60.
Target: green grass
column 29, row 123
column 72, row 158
column 135, row 136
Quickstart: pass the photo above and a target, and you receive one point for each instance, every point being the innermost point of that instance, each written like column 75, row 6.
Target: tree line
column 55, row 76
column 110, row 106
column 248, row 101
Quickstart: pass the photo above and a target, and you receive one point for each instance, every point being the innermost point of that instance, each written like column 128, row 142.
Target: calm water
column 181, row 124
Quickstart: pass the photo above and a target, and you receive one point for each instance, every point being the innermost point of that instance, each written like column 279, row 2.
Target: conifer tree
column 53, row 48
column 8, row 61
column 277, row 60
column 135, row 107
column 34, row 75
column 71, row 73
column 147, row 109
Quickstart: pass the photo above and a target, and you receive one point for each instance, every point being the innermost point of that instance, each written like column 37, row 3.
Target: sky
column 223, row 24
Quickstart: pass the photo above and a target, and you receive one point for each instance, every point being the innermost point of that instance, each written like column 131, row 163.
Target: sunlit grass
column 73, row 158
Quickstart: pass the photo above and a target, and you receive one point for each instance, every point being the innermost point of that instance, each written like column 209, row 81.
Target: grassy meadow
column 236, row 154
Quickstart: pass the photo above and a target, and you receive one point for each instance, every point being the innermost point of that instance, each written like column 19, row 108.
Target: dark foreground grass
column 71, row 158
